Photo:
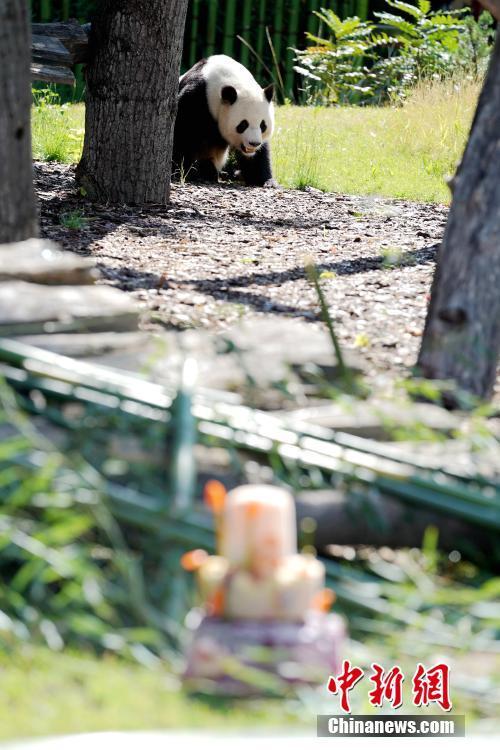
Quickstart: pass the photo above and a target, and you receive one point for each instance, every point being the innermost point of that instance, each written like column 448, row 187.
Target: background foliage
column 215, row 26
column 366, row 62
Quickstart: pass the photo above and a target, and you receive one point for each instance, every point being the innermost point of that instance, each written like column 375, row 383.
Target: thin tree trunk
column 131, row 100
column 462, row 332
column 18, row 216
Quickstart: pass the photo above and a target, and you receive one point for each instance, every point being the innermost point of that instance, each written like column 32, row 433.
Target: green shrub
column 362, row 62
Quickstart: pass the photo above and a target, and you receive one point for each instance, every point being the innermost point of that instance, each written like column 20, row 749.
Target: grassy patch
column 73, row 220
column 57, row 131
column 400, row 152
column 44, row 692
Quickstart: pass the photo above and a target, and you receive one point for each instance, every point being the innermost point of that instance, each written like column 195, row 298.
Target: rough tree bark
column 131, row 101
column 18, row 216
column 462, row 332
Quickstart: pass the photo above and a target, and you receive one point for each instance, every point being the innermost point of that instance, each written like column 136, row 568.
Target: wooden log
column 52, row 73
column 384, row 521
column 70, row 33
column 49, row 49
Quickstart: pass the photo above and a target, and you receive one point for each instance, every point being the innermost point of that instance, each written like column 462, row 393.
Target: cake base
column 251, row 658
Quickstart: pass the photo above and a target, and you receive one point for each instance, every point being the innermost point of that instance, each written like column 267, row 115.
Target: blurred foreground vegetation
column 82, row 617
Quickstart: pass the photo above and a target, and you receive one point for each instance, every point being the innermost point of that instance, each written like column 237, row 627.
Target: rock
column 89, row 345
column 33, row 309
column 40, row 261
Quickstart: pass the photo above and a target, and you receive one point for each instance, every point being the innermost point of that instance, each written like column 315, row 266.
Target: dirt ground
column 219, row 253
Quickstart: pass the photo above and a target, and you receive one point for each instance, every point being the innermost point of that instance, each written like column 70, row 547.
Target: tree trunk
column 131, row 101
column 18, row 217
column 462, row 332
column 385, row 521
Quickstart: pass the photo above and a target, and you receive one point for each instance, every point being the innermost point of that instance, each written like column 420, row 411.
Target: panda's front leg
column 256, row 170
column 207, row 171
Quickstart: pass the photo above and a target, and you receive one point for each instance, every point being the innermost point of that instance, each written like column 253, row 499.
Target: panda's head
column 246, row 118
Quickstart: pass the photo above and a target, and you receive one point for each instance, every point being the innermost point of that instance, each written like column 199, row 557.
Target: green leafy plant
column 73, row 220
column 365, row 62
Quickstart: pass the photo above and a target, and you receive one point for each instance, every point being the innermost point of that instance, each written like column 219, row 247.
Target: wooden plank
column 50, row 49
column 41, row 261
column 52, row 73
column 70, row 33
column 32, row 309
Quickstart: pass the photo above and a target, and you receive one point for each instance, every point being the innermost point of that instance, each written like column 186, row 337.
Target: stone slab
column 32, row 308
column 41, row 262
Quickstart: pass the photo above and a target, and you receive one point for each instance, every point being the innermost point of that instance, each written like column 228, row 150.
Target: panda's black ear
column 269, row 92
column 229, row 94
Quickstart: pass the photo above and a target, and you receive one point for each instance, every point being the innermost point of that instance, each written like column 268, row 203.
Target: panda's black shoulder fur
column 195, row 127
column 197, row 131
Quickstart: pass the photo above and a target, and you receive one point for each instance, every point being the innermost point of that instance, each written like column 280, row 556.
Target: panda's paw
column 272, row 183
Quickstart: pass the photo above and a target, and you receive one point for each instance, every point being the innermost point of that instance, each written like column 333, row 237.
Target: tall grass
column 57, row 129
column 403, row 151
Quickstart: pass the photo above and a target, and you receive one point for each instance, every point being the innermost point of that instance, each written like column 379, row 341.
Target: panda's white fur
column 221, row 107
column 251, row 105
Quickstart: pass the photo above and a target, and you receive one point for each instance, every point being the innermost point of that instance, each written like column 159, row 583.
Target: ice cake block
column 264, row 605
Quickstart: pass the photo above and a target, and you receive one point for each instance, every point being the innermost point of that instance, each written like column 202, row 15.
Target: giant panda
column 222, row 108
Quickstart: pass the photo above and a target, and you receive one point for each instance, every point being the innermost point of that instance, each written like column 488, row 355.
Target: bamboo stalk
column 181, row 471
column 245, row 33
column 261, row 36
column 362, row 9
column 277, row 35
column 241, row 427
column 229, row 28
column 293, row 30
column 193, row 44
column 45, row 10
column 313, row 20
column 212, row 26
column 66, row 7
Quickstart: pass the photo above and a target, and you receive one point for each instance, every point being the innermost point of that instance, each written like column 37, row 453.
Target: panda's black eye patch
column 242, row 126
column 263, row 126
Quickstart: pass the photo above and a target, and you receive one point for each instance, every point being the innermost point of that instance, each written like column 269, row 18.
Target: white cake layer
column 287, row 593
column 258, row 528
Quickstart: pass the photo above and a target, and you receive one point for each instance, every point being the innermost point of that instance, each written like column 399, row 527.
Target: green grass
column 57, row 131
column 73, row 220
column 399, row 152
column 45, row 692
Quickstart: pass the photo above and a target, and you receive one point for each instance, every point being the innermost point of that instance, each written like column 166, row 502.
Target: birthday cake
column 264, row 604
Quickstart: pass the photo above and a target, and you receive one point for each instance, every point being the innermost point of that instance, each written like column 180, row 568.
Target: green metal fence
column 221, row 25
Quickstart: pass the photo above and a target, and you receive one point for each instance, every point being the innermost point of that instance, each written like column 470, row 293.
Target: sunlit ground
column 403, row 152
